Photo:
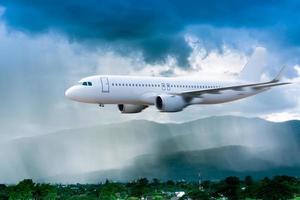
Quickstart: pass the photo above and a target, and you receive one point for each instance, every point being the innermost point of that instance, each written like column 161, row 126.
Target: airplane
column 132, row 94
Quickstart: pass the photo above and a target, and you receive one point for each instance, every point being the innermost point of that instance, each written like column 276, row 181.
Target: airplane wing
column 255, row 86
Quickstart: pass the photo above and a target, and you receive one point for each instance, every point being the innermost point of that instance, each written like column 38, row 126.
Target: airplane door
column 168, row 86
column 163, row 86
column 105, row 84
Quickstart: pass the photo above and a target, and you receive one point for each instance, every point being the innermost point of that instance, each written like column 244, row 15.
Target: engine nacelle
column 170, row 103
column 131, row 108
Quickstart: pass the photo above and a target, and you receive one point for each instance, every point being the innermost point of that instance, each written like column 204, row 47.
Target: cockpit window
column 87, row 83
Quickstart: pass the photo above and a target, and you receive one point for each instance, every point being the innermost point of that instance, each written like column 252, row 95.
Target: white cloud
column 217, row 65
column 281, row 116
column 43, row 66
column 297, row 68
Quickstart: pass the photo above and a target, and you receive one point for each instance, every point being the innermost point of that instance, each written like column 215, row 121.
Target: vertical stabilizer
column 253, row 70
column 279, row 75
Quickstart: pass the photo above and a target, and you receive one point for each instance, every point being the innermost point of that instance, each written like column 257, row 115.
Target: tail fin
column 279, row 75
column 253, row 70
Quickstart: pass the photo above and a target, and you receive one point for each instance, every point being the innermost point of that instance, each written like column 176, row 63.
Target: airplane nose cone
column 79, row 94
column 70, row 93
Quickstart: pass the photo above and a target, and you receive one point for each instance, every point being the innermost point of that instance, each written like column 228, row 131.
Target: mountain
column 214, row 163
column 126, row 150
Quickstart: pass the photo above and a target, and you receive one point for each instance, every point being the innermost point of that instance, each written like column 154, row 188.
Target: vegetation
column 280, row 187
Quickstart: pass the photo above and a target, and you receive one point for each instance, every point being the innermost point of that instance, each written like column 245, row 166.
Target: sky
column 47, row 46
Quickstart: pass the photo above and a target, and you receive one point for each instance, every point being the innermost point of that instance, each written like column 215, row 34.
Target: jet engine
column 170, row 103
column 131, row 108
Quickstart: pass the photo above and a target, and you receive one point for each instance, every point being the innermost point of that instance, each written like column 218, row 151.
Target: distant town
column 278, row 187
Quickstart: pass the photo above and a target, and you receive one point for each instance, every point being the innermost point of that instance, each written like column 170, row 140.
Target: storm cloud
column 154, row 28
column 49, row 45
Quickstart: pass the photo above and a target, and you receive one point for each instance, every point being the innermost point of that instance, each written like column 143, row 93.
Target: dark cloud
column 153, row 27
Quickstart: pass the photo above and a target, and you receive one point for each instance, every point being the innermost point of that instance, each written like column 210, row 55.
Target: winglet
column 279, row 75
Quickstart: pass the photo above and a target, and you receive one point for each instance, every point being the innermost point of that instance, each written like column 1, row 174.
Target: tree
column 198, row 194
column 158, row 197
column 44, row 191
column 170, row 183
column 155, row 182
column 206, row 184
column 111, row 191
column 133, row 198
column 22, row 191
column 140, row 187
column 230, row 188
column 275, row 189
column 248, row 180
column 3, row 192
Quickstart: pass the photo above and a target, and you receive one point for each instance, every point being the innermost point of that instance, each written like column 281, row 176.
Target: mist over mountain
column 215, row 147
column 213, row 164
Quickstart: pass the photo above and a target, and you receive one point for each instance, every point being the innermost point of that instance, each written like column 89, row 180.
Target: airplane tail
column 279, row 75
column 254, row 68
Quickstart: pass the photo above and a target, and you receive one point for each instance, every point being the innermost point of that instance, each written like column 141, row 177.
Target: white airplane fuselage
column 144, row 91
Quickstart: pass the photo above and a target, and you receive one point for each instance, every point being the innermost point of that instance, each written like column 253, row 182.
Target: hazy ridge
column 215, row 147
